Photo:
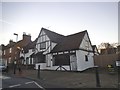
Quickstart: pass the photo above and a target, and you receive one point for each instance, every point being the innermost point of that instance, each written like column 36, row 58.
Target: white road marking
column 29, row 82
column 4, row 77
column 34, row 83
column 38, row 85
column 14, row 85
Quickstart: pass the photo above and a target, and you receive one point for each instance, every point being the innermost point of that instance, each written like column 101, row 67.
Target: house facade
column 27, row 53
column 46, row 41
column 58, row 52
column 11, row 52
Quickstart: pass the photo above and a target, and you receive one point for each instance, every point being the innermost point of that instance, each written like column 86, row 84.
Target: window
column 10, row 50
column 9, row 61
column 30, row 60
column 43, row 45
column 4, row 52
column 42, row 38
column 86, row 58
column 27, row 60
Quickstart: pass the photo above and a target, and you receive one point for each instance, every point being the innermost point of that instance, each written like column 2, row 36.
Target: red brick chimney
column 26, row 37
column 11, row 42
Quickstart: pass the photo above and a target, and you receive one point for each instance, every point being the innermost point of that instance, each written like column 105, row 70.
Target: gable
column 42, row 37
column 86, row 43
column 46, row 39
column 53, row 36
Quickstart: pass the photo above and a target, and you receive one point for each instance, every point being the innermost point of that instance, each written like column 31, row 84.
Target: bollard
column 15, row 63
column 14, row 69
column 7, row 69
column 118, row 67
column 38, row 71
column 97, row 77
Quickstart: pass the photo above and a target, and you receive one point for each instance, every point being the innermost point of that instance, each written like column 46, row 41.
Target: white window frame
column 9, row 60
column 10, row 50
column 4, row 52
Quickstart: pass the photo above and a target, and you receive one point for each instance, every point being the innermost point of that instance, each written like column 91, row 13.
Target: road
column 19, row 82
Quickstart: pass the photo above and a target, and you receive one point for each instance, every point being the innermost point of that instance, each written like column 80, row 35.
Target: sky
column 100, row 19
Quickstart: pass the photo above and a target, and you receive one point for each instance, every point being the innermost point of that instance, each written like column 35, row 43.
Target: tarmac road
column 19, row 82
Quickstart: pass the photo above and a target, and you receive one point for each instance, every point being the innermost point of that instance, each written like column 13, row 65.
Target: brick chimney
column 26, row 37
column 11, row 42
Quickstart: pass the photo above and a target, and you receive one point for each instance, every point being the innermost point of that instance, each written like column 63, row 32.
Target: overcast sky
column 100, row 19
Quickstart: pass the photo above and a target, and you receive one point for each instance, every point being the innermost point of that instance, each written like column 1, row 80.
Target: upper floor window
column 4, row 52
column 42, row 38
column 10, row 50
column 43, row 45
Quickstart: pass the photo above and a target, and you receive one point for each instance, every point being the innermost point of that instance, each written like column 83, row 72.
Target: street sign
column 118, row 63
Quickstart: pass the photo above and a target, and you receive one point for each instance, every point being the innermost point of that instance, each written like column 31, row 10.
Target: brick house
column 27, row 53
column 11, row 51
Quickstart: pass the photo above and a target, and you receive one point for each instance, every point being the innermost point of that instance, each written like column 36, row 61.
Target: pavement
column 65, row 79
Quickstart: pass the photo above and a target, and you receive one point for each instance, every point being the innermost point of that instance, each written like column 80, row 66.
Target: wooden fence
column 104, row 60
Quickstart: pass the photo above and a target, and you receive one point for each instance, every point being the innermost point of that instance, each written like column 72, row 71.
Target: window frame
column 10, row 50
column 42, row 46
column 4, row 52
column 86, row 58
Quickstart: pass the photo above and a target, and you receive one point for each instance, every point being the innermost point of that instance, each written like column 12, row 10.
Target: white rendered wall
column 43, row 67
column 81, row 63
column 30, row 52
column 85, row 44
column 73, row 62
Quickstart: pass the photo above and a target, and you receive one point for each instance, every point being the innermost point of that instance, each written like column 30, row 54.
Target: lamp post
column 15, row 62
column 20, row 61
column 16, row 36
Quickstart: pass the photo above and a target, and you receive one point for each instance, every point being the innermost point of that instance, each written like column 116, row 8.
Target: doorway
column 73, row 62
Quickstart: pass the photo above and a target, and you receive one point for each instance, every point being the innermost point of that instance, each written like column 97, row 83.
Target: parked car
column 3, row 67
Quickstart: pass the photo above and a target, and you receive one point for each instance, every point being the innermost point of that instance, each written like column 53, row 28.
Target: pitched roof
column 70, row 42
column 9, row 45
column 30, row 45
column 94, row 46
column 54, row 37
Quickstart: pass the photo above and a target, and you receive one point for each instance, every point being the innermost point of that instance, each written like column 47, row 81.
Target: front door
column 73, row 62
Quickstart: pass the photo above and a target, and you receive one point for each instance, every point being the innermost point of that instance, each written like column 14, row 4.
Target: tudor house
column 58, row 52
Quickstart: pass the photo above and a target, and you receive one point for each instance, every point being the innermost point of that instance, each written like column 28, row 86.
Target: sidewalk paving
column 86, row 79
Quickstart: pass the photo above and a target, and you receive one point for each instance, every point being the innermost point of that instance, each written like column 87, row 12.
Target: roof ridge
column 51, row 31
column 76, row 33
